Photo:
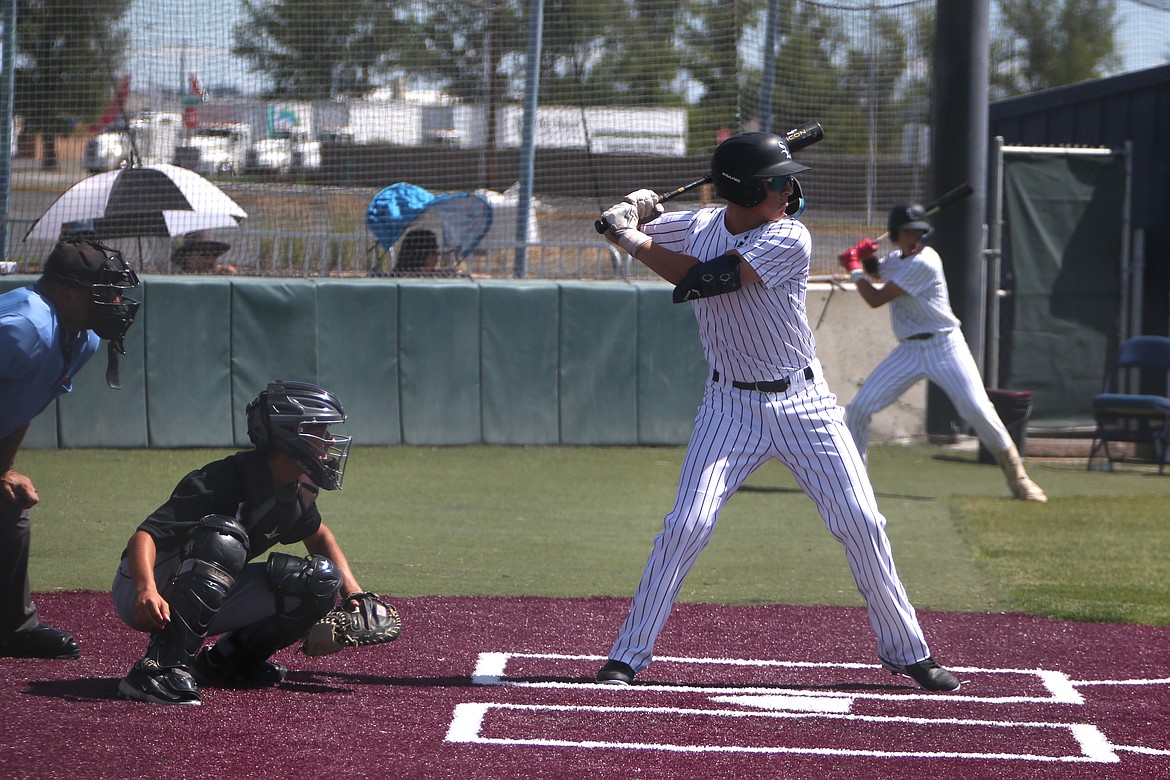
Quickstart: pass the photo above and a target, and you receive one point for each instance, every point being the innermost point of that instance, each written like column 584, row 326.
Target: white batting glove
column 648, row 203
column 623, row 228
column 623, row 215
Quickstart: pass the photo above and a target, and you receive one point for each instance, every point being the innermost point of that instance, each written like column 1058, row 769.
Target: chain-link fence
column 303, row 111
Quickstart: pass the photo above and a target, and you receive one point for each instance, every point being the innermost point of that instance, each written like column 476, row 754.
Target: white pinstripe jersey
column 926, row 306
column 759, row 332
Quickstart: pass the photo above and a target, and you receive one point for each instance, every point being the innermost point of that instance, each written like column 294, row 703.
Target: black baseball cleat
column 40, row 642
column 927, row 673
column 149, row 682
column 211, row 668
column 615, row 673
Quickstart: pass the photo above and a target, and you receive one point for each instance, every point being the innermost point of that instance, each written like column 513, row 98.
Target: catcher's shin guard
column 306, row 589
column 211, row 561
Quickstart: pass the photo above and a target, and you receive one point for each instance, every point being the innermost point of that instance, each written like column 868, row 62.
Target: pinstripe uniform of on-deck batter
column 930, row 346
column 758, row 333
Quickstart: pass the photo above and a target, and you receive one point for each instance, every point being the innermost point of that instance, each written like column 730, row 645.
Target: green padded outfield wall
column 419, row 362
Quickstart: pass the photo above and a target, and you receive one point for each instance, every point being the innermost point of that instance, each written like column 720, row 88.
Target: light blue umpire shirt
column 38, row 358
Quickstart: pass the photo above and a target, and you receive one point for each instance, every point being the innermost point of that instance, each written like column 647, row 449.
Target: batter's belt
column 774, row 386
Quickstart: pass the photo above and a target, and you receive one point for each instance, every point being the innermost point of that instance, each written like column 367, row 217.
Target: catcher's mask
column 89, row 264
column 746, row 166
column 908, row 215
column 294, row 418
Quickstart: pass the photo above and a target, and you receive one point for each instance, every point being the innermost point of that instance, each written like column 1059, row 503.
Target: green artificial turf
column 568, row 521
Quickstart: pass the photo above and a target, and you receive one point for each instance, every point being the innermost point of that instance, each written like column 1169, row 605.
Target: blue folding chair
column 1135, row 417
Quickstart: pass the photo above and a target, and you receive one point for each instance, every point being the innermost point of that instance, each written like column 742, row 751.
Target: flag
column 115, row 108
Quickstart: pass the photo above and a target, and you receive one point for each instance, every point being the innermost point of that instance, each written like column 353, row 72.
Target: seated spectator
column 418, row 252
column 197, row 255
column 418, row 256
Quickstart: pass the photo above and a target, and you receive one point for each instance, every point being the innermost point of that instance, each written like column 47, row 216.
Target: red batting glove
column 866, row 248
column 849, row 260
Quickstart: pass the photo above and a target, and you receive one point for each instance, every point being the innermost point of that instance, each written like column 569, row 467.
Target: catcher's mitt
column 371, row 622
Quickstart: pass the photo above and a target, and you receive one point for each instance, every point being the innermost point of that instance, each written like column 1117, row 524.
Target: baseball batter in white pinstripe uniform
column 930, row 343
column 745, row 268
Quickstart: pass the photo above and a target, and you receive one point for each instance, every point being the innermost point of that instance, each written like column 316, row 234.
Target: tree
column 708, row 31
column 817, row 73
column 1054, row 43
column 67, row 55
column 318, row 49
column 607, row 52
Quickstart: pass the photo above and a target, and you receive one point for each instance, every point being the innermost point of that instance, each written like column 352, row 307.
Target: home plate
column 790, row 703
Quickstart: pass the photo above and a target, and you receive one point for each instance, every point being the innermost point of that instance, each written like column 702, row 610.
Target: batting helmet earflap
column 743, row 164
column 279, row 418
column 795, row 201
column 907, row 215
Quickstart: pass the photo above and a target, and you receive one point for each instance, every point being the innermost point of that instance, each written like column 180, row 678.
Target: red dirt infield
column 501, row 688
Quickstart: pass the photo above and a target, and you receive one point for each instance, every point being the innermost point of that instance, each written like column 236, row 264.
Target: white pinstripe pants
column 945, row 360
column 736, row 432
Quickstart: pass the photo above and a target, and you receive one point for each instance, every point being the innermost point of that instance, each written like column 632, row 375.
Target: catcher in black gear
column 200, row 565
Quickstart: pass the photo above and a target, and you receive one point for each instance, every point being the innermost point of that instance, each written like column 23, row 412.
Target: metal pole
column 1132, row 269
column 995, row 270
column 528, row 140
column 7, row 117
column 958, row 153
column 768, row 84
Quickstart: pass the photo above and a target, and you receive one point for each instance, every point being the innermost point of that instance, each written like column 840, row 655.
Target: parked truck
column 215, row 148
column 148, row 138
column 283, row 152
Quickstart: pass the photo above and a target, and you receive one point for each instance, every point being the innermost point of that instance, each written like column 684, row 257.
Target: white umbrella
column 145, row 200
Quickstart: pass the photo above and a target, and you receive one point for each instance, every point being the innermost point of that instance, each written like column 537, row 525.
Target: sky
column 169, row 38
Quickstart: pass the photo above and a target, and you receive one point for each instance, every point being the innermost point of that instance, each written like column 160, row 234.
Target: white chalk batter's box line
column 1092, row 745
column 491, row 669
column 469, row 720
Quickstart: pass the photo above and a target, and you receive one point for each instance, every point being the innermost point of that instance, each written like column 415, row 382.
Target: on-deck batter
column 930, row 343
column 745, row 268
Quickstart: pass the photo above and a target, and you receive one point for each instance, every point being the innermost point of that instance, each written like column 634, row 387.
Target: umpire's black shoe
column 927, row 674
column 211, row 668
column 149, row 682
column 40, row 642
column 615, row 673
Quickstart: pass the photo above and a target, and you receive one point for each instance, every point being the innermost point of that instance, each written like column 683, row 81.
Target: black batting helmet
column 279, row 418
column 907, row 215
column 744, row 164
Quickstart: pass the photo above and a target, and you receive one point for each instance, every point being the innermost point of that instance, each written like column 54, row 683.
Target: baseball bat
column 948, row 198
column 797, row 138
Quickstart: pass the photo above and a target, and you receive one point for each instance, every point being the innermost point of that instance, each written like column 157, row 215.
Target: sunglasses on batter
column 779, row 182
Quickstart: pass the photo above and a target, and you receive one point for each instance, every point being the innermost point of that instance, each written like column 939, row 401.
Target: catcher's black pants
column 17, row 611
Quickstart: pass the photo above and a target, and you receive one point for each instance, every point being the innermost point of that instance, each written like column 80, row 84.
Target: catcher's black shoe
column 926, row 673
column 615, row 673
column 211, row 668
column 40, row 642
column 149, row 682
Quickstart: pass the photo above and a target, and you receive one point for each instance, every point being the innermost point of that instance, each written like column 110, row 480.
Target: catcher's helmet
column 293, row 417
column 907, row 215
column 743, row 166
column 88, row 264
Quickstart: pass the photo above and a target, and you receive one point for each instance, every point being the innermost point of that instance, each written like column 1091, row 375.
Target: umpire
column 48, row 332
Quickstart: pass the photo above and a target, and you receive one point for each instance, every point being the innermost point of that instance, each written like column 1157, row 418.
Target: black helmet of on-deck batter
column 744, row 164
column 907, row 215
column 293, row 417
